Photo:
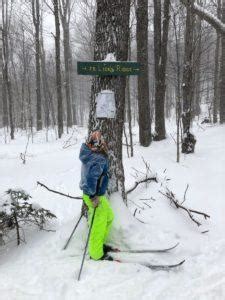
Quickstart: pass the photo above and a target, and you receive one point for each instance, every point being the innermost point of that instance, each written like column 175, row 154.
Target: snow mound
column 110, row 57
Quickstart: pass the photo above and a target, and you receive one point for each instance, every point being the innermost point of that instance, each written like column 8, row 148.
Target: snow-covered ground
column 39, row 269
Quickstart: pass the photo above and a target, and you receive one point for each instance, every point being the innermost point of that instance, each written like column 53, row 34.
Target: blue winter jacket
column 94, row 172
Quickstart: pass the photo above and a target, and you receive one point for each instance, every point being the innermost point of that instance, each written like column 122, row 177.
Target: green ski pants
column 101, row 226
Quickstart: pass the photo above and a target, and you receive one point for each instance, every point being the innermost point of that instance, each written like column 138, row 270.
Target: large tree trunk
column 160, row 52
column 143, row 79
column 3, row 96
column 197, row 66
column 111, row 36
column 6, row 77
column 222, row 79
column 188, row 68
column 58, row 69
column 1, row 62
column 36, row 21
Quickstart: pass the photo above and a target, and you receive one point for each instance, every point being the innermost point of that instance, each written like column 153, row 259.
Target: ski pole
column 75, row 227
column 85, row 250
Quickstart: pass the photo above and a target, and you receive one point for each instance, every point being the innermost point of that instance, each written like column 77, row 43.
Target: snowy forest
column 145, row 81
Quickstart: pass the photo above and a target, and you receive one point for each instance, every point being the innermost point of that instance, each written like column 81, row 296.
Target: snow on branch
column 207, row 16
column 171, row 196
column 148, row 179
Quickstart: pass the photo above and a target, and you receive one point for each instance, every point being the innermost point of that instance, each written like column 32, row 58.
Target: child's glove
column 95, row 201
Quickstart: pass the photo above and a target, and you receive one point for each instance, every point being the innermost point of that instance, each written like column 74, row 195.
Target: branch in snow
column 56, row 192
column 170, row 195
column 110, row 57
column 141, row 181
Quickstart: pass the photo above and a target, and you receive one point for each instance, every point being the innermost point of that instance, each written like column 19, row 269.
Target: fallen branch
column 185, row 193
column 136, row 204
column 141, row 181
column 59, row 193
column 169, row 194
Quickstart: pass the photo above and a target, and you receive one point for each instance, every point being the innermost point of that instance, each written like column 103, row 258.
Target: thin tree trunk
column 58, row 69
column 129, row 112
column 216, row 79
column 66, row 44
column 46, row 92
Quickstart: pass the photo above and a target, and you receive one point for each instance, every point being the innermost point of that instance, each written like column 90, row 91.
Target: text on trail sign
column 108, row 68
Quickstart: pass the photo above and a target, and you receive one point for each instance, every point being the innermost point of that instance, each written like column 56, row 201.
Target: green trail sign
column 104, row 68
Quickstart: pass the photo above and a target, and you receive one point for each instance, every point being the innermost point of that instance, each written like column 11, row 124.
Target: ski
column 161, row 267
column 138, row 251
column 164, row 267
column 143, row 250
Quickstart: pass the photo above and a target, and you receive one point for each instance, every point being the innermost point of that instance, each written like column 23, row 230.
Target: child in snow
column 94, row 182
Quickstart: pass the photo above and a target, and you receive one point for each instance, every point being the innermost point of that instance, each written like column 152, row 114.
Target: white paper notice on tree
column 106, row 107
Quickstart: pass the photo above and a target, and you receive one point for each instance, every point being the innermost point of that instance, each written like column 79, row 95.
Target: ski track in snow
column 39, row 269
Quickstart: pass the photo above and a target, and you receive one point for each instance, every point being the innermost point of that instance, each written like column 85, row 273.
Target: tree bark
column 65, row 12
column 6, row 77
column 216, row 79
column 111, row 36
column 66, row 44
column 160, row 53
column 129, row 112
column 188, row 68
column 143, row 79
column 197, row 54
column 36, row 22
column 220, row 27
column 222, row 79
column 3, row 95
column 58, row 69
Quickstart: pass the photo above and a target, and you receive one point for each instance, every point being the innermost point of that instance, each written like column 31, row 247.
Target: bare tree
column 111, row 36
column 160, row 53
column 188, row 68
column 144, row 118
column 36, row 21
column 1, row 57
column 6, row 11
column 58, row 68
column 219, row 26
column 65, row 14
column 217, row 70
column 222, row 85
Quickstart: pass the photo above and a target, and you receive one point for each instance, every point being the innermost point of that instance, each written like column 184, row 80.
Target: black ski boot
column 106, row 256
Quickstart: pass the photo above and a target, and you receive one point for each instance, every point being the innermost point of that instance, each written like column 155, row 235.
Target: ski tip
column 179, row 264
column 183, row 261
column 176, row 245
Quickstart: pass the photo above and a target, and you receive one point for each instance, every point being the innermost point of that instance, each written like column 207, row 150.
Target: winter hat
column 95, row 138
column 96, row 142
